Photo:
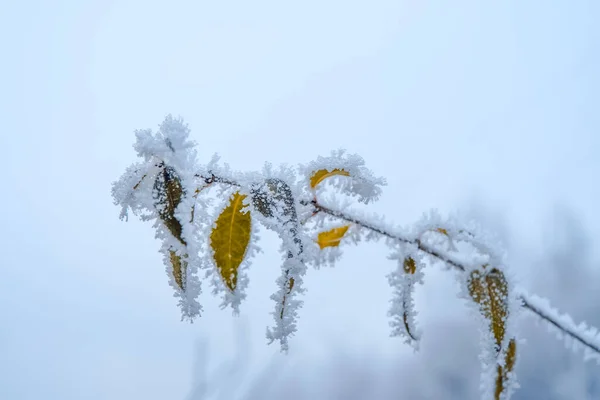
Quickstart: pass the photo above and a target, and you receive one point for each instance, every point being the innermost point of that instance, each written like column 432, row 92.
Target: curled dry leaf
column 332, row 237
column 230, row 239
column 322, row 174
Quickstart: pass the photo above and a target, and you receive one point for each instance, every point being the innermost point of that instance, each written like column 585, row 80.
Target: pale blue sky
column 455, row 103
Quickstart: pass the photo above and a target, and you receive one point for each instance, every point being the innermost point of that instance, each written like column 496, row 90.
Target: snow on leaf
column 274, row 201
column 489, row 289
column 322, row 174
column 167, row 194
column 503, row 372
column 332, row 237
column 157, row 190
column 230, row 238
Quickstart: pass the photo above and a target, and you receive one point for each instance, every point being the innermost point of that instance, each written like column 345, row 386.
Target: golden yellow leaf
column 320, row 175
column 491, row 292
column 178, row 271
column 332, row 238
column 442, row 231
column 230, row 239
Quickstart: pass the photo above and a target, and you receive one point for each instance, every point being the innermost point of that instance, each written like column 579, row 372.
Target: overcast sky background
column 486, row 107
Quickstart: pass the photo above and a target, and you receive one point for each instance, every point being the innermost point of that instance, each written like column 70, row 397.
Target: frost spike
column 230, row 238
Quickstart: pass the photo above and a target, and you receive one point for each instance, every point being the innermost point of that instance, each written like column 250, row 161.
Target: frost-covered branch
column 208, row 216
column 575, row 335
column 587, row 337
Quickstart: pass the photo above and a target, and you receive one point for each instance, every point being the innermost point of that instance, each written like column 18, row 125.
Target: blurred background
column 489, row 108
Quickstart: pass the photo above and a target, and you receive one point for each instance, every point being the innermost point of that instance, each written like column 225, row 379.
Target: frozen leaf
column 273, row 199
column 322, row 174
column 176, row 262
column 490, row 292
column 332, row 237
column 230, row 238
column 403, row 280
column 502, row 372
column 489, row 289
column 358, row 181
column 168, row 193
column 410, row 266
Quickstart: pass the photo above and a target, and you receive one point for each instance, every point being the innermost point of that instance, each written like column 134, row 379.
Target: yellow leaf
column 320, row 175
column 410, row 266
column 442, row 231
column 490, row 291
column 509, row 364
column 332, row 238
column 230, row 239
column 178, row 271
